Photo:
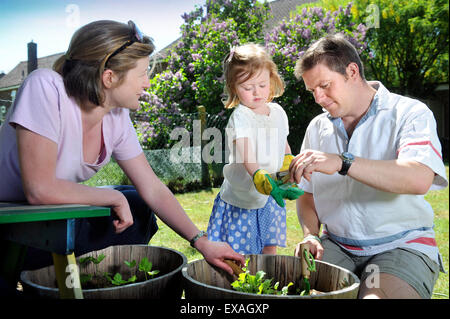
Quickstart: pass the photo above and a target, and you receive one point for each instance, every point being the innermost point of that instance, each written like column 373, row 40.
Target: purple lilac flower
column 317, row 11
column 304, row 12
column 319, row 25
column 306, row 34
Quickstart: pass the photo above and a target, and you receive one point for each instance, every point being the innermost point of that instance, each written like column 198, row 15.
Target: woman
column 66, row 123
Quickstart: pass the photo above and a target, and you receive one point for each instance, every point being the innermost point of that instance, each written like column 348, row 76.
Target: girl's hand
column 216, row 252
column 123, row 213
column 315, row 247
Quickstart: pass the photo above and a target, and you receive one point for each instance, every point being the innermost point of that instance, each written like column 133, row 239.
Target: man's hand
column 309, row 161
column 315, row 247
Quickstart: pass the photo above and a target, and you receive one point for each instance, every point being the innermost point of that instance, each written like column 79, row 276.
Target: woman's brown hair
column 90, row 47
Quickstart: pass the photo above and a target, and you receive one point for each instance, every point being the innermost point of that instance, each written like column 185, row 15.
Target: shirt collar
column 378, row 103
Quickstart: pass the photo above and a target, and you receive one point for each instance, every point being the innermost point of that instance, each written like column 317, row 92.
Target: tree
column 409, row 43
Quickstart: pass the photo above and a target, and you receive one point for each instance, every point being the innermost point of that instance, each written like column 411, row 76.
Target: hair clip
column 232, row 50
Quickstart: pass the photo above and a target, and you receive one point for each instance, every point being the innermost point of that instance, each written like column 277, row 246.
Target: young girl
column 244, row 215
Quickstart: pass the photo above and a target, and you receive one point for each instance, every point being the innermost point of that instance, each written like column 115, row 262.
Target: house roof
column 16, row 76
column 280, row 10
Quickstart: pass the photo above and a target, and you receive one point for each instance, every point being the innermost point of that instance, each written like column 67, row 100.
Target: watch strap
column 345, row 167
column 197, row 237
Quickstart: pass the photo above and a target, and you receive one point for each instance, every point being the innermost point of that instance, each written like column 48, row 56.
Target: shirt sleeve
column 239, row 126
column 127, row 144
column 37, row 107
column 418, row 140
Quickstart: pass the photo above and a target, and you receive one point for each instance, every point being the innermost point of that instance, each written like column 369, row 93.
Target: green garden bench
column 47, row 227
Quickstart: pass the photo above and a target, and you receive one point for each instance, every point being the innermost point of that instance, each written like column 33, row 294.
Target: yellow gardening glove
column 285, row 167
column 286, row 162
column 267, row 186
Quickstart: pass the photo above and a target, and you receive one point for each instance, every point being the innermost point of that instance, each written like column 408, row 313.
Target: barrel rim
column 24, row 277
column 355, row 285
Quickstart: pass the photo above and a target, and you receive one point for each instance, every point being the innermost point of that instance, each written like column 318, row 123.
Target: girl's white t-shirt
column 43, row 106
column 268, row 136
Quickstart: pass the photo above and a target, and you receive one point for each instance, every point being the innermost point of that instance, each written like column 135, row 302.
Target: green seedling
column 257, row 284
column 117, row 280
column 130, row 264
column 84, row 261
column 146, row 267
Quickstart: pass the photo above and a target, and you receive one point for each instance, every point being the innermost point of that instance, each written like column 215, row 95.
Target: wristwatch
column 347, row 160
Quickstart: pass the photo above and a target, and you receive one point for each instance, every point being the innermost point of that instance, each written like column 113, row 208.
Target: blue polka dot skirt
column 248, row 231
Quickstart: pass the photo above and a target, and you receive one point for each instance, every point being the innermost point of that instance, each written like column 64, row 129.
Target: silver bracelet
column 197, row 237
column 311, row 236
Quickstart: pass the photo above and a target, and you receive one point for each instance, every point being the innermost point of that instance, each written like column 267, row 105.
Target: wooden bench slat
column 28, row 213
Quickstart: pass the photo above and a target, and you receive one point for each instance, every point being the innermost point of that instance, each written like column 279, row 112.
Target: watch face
column 348, row 156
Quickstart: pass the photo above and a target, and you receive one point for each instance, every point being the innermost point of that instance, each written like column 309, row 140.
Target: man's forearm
column 307, row 215
column 394, row 176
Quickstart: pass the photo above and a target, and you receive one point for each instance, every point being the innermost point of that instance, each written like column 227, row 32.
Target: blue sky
column 51, row 23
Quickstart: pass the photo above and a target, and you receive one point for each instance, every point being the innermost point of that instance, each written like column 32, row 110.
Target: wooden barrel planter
column 202, row 281
column 167, row 284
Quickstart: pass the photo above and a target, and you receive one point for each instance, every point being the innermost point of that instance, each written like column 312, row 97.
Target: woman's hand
column 216, row 252
column 315, row 248
column 123, row 213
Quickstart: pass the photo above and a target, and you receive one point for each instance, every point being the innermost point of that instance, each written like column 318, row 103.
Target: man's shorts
column 413, row 267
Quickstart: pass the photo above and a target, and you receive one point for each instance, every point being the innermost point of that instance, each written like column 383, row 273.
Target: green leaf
column 145, row 265
column 130, row 264
column 84, row 278
column 153, row 273
column 132, row 279
column 99, row 259
column 88, row 259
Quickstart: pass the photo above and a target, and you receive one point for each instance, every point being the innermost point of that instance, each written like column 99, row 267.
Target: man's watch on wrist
column 347, row 160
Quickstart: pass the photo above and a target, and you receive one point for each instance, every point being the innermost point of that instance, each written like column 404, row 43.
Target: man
column 364, row 165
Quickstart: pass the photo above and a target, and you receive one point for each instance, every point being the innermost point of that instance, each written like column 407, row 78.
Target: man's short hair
column 332, row 50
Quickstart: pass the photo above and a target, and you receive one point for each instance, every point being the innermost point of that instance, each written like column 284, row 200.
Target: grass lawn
column 198, row 206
